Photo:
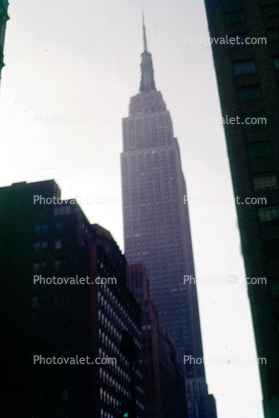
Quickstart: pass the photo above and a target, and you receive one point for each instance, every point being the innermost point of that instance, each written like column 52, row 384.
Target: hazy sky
column 71, row 67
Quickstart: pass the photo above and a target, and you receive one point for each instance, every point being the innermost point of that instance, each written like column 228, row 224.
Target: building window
column 244, row 67
column 276, row 62
column 247, row 94
column 254, row 121
column 37, row 229
column 273, row 34
column 58, row 244
column 56, row 211
column 269, row 214
column 235, row 17
column 265, row 182
column 259, row 150
column 37, row 247
column 238, row 41
column 64, row 210
column 45, row 228
column 58, row 227
column 44, row 245
column 271, row 11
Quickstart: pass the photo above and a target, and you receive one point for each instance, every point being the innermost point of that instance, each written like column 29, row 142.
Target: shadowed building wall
column 3, row 20
column 247, row 71
column 95, row 319
column 164, row 385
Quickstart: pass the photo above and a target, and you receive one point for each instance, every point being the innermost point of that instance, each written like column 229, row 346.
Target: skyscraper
column 247, row 71
column 157, row 228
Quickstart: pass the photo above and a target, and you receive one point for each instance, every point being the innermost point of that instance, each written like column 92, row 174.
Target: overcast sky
column 71, row 68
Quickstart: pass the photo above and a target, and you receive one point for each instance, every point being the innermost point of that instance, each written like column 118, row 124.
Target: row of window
column 63, row 210
column 241, row 40
column 109, row 325
column 154, row 131
column 118, row 314
column 44, row 229
column 111, row 381
column 263, row 182
column 268, row 214
column 43, row 245
column 43, row 264
column 146, row 110
column 259, row 150
column 239, row 16
column 246, row 67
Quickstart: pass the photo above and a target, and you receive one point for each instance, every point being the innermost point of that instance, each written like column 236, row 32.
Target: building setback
column 164, row 381
column 157, row 227
column 39, row 318
column 247, row 71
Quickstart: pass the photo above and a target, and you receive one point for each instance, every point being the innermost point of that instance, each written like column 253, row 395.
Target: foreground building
column 157, row 227
column 64, row 296
column 164, row 381
column 3, row 20
column 247, row 71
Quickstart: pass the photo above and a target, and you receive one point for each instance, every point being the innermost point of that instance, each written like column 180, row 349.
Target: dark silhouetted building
column 157, row 227
column 3, row 20
column 70, row 318
column 164, row 381
column 247, row 71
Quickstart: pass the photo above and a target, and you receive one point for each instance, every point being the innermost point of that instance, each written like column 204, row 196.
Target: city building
column 3, row 20
column 164, row 381
column 157, row 227
column 64, row 296
column 247, row 71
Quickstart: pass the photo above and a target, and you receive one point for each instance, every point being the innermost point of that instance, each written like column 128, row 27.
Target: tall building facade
column 3, row 20
column 156, row 224
column 164, row 381
column 247, row 71
column 42, row 319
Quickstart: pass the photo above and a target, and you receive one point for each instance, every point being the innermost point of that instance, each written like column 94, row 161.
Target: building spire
column 147, row 74
column 143, row 29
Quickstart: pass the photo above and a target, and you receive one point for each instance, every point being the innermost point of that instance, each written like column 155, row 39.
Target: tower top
column 147, row 74
column 144, row 32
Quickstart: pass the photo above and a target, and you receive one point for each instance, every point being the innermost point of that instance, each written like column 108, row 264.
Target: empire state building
column 157, row 227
